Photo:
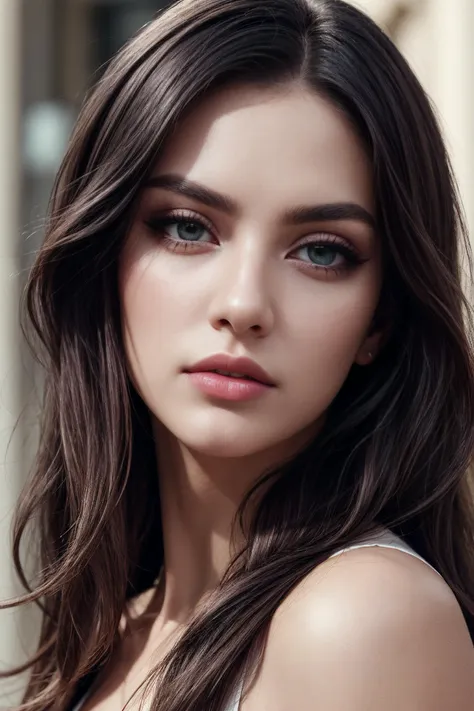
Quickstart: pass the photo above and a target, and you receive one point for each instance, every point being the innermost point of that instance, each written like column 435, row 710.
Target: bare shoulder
column 372, row 628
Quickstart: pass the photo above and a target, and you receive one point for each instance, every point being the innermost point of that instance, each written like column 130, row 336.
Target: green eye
column 322, row 255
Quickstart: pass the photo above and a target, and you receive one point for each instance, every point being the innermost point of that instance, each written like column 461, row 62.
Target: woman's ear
column 369, row 349
column 378, row 335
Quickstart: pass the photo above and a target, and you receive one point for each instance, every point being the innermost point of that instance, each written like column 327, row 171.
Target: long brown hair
column 398, row 438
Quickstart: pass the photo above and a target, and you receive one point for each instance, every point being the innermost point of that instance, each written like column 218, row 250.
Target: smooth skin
column 373, row 628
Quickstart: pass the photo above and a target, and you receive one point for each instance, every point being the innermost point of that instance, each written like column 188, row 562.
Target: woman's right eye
column 180, row 229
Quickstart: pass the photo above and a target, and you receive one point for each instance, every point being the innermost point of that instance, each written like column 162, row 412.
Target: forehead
column 273, row 145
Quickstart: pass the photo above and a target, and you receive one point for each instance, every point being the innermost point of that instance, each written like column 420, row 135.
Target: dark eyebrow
column 296, row 216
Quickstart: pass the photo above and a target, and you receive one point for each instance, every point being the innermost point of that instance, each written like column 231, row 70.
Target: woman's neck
column 199, row 497
column 197, row 513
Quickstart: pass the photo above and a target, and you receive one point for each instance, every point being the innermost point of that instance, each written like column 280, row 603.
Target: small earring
column 370, row 355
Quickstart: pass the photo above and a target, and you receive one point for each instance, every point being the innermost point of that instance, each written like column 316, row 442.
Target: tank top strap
column 385, row 539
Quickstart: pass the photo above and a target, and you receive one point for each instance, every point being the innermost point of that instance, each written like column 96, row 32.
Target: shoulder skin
column 370, row 630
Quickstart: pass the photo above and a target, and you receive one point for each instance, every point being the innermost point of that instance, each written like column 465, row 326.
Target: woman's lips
column 228, row 388
column 229, row 364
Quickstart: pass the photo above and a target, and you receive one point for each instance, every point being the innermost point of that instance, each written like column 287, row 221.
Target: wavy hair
column 399, row 436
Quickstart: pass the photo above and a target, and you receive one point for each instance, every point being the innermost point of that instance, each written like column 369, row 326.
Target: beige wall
column 9, row 332
column 436, row 38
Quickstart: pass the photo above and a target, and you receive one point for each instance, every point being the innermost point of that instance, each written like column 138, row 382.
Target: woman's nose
column 242, row 300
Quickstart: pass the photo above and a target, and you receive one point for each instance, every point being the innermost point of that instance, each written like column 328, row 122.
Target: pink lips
column 228, row 387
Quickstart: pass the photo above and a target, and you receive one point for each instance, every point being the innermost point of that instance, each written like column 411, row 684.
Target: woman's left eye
column 327, row 255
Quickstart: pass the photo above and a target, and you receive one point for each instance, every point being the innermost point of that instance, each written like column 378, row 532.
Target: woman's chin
column 225, row 445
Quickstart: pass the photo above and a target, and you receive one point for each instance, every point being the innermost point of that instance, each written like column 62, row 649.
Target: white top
column 384, row 539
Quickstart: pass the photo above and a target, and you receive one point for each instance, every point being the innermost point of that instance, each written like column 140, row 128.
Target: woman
column 250, row 313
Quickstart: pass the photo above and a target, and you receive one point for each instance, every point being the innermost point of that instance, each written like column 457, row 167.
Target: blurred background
column 51, row 52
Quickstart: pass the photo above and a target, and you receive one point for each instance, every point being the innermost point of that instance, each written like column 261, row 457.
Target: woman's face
column 253, row 239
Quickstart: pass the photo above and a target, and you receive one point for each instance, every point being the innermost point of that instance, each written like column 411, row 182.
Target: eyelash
column 158, row 225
